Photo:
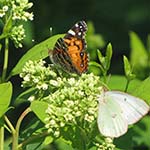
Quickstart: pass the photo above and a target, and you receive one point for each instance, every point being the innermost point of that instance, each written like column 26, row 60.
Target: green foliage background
column 112, row 19
column 109, row 21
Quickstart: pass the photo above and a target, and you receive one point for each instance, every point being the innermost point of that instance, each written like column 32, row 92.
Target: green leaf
column 64, row 144
column 108, row 56
column 39, row 108
column 8, row 25
column 34, row 130
column 5, row 96
column 139, row 56
column 124, row 142
column 94, row 40
column 39, row 51
column 127, row 66
column 76, row 136
column 138, row 50
column 117, row 82
column 133, row 85
column 139, row 133
column 105, row 61
column 23, row 97
column 148, row 47
column 35, row 145
column 148, row 43
column 95, row 70
column 93, row 63
column 100, row 57
column 91, row 29
column 48, row 140
column 127, row 69
column 142, row 132
column 143, row 89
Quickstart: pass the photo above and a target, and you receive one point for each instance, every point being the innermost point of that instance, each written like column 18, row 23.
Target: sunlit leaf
column 108, row 56
column 8, row 25
column 39, row 108
column 5, row 96
column 39, row 51
column 139, row 56
column 100, row 57
column 116, row 82
column 128, row 69
column 93, row 63
column 143, row 89
column 148, row 42
column 94, row 40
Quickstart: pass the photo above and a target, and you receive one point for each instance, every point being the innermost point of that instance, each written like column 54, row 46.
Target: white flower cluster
column 15, row 10
column 35, row 74
column 17, row 35
column 3, row 11
column 106, row 145
column 18, row 8
column 72, row 100
column 74, row 103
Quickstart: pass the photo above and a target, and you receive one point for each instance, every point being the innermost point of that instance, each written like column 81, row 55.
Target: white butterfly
column 117, row 110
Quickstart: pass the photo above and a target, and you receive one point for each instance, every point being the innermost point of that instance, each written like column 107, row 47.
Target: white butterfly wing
column 133, row 108
column 111, row 122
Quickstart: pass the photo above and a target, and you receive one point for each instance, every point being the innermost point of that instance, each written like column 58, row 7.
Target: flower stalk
column 15, row 131
column 6, row 51
column 1, row 138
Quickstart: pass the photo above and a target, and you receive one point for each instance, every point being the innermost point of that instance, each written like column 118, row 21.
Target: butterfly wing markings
column 70, row 52
column 75, row 39
column 133, row 108
column 78, row 55
column 60, row 56
column 78, row 30
column 111, row 122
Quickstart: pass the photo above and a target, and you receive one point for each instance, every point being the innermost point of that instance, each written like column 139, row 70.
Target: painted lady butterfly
column 70, row 52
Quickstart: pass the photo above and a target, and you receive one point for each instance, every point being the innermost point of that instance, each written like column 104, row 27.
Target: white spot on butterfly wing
column 72, row 32
column 79, row 33
column 76, row 25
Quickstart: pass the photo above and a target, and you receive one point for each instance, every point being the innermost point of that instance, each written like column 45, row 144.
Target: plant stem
column 2, row 36
column 12, row 130
column 105, row 76
column 15, row 131
column 16, row 135
column 9, row 124
column 128, row 81
column 5, row 59
column 1, row 138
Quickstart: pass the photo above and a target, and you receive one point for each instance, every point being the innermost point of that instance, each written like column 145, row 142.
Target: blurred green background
column 112, row 19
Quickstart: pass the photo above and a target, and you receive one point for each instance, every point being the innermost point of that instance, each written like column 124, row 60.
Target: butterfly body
column 70, row 52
